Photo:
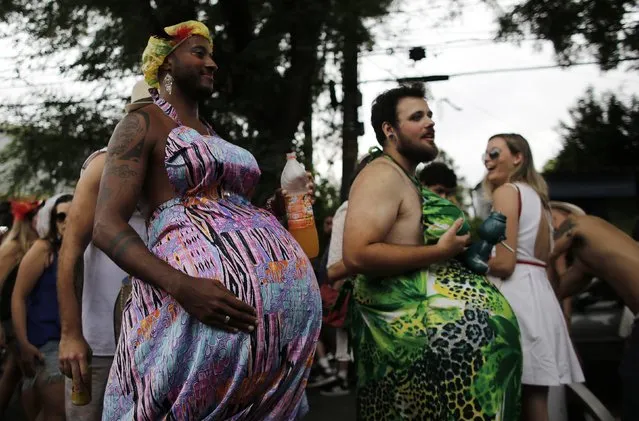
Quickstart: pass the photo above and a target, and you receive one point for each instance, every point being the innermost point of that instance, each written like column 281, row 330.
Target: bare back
column 534, row 236
column 543, row 242
column 612, row 255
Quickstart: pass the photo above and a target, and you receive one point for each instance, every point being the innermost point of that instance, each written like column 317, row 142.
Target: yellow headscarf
column 158, row 49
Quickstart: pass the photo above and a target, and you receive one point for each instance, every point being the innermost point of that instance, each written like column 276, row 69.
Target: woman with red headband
column 35, row 314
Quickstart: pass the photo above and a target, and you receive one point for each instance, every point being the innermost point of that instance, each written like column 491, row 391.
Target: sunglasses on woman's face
column 491, row 155
column 60, row 217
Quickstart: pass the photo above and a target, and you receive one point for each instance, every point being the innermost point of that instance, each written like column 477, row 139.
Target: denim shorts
column 49, row 370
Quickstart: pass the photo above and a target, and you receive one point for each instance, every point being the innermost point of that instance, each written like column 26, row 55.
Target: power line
column 443, row 46
column 431, row 78
column 503, row 70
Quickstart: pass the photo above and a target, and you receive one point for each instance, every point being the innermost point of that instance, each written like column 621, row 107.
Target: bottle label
column 299, row 211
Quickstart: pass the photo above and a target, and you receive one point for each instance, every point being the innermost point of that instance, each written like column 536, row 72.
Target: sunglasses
column 60, row 217
column 491, row 155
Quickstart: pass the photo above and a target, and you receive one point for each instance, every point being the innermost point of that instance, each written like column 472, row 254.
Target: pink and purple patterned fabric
column 170, row 366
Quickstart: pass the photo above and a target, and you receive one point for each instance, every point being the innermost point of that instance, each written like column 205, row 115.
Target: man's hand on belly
column 209, row 301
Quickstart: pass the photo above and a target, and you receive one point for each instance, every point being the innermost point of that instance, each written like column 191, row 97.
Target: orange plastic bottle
column 299, row 207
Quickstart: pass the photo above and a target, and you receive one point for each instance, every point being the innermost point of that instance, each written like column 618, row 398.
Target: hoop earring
column 168, row 83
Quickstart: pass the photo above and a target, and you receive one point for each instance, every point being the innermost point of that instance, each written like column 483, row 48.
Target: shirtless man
column 88, row 332
column 602, row 250
column 402, row 240
column 387, row 238
column 599, row 249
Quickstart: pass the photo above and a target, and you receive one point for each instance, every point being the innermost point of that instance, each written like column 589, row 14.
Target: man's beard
column 416, row 152
column 189, row 83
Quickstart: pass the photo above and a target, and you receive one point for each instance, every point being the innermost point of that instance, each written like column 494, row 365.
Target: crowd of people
column 160, row 288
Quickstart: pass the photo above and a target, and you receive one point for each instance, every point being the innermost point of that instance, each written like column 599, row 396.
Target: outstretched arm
column 577, row 276
column 565, row 237
column 574, row 279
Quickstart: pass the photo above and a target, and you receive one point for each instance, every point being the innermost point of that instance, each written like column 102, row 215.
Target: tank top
column 102, row 282
column 43, row 317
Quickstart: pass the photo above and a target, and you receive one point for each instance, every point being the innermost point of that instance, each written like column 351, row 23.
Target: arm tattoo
column 134, row 153
column 128, row 131
column 121, row 242
column 565, row 228
column 122, row 171
column 104, row 194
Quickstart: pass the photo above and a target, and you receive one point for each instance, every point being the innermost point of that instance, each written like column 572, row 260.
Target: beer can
column 81, row 391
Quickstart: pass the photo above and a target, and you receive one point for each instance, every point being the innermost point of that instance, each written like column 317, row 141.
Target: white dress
column 549, row 358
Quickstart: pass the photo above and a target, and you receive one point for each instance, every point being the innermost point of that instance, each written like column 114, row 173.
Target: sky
column 467, row 109
column 531, row 103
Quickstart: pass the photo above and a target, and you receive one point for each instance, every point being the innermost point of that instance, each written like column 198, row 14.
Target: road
column 340, row 408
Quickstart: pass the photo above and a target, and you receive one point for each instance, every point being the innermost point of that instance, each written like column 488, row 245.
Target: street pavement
column 340, row 408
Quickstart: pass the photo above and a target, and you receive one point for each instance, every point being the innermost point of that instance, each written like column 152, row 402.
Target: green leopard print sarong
column 439, row 344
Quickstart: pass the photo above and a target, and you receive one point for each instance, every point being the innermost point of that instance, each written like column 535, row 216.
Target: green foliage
column 604, row 29
column 271, row 56
column 603, row 136
column 43, row 157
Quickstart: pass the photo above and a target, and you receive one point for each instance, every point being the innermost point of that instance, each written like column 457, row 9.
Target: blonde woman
column 520, row 193
column 14, row 246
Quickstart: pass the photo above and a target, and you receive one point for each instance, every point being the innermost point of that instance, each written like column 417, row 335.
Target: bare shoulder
column 93, row 170
column 567, row 227
column 133, row 127
column 159, row 123
column 380, row 177
column 506, row 192
column 41, row 245
column 39, row 251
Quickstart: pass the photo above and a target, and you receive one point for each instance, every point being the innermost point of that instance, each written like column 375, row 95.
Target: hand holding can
column 81, row 387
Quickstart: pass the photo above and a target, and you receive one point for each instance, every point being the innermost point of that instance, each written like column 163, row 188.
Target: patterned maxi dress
column 439, row 344
column 168, row 365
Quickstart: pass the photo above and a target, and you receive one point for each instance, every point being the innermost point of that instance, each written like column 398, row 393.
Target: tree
column 44, row 157
column 606, row 29
column 271, row 56
column 603, row 136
